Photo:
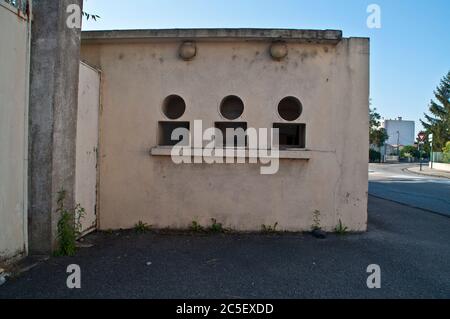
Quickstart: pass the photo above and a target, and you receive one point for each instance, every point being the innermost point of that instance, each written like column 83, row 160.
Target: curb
column 424, row 174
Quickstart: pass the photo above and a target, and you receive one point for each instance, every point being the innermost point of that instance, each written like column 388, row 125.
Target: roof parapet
column 288, row 35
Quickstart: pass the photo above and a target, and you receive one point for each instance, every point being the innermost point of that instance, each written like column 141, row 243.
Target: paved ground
column 410, row 245
column 428, row 171
column 395, row 183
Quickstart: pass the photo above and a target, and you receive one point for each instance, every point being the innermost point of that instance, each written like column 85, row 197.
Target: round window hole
column 290, row 108
column 174, row 107
column 232, row 107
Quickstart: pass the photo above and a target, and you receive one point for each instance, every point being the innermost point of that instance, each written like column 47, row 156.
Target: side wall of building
column 14, row 60
column 332, row 82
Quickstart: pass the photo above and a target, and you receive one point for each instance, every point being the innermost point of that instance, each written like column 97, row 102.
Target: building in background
column 401, row 133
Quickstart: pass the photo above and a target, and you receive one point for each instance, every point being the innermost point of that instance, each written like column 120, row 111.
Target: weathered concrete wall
column 53, row 113
column 14, row 58
column 87, row 145
column 332, row 82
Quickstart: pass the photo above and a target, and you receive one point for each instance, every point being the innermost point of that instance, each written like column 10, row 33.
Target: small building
column 401, row 133
column 311, row 85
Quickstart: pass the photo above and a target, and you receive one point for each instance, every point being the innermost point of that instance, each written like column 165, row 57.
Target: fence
column 439, row 157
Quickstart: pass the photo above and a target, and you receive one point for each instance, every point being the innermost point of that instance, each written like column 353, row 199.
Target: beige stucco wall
column 332, row 81
column 13, row 132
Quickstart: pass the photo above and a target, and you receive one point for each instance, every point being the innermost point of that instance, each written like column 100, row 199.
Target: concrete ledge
column 293, row 35
column 298, row 154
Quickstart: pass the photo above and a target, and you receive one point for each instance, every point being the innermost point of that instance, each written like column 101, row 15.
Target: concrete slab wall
column 55, row 53
column 14, row 61
column 330, row 79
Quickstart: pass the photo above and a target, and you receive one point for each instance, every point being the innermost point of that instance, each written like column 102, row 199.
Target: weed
column 341, row 229
column 216, row 227
column 316, row 221
column 141, row 227
column 196, row 227
column 269, row 229
column 69, row 226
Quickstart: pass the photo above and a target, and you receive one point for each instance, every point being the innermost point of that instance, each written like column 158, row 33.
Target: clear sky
column 410, row 53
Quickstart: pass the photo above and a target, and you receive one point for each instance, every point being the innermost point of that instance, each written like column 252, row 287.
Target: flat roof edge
column 295, row 35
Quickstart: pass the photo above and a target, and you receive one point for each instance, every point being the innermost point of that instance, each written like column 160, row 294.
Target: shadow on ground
column 410, row 245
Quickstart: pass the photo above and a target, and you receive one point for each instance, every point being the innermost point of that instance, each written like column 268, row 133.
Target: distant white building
column 401, row 133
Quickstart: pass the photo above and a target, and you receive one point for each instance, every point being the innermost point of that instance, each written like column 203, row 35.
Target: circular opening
column 290, row 108
column 232, row 107
column 174, row 107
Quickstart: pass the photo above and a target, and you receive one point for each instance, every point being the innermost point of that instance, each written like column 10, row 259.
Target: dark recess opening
column 291, row 135
column 232, row 107
column 165, row 133
column 290, row 108
column 238, row 140
column 174, row 107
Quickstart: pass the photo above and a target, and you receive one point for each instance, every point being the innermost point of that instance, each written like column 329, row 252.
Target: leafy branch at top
column 90, row 16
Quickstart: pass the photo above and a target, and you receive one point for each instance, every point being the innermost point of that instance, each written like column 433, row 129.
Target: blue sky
column 409, row 54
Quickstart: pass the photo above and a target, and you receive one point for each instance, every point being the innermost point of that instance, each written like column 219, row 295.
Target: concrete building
column 154, row 81
column 401, row 132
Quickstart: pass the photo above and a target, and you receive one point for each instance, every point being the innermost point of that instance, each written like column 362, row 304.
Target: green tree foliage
column 90, row 16
column 378, row 135
column 438, row 122
column 409, row 151
column 446, row 151
column 374, row 156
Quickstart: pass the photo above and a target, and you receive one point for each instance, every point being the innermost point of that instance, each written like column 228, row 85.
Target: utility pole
column 430, row 139
column 420, row 154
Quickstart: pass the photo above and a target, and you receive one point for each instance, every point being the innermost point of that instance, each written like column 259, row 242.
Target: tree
column 410, row 151
column 378, row 135
column 89, row 15
column 446, row 151
column 438, row 122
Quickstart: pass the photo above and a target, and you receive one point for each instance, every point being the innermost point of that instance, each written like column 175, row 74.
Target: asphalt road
column 410, row 245
column 392, row 182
